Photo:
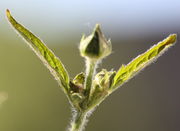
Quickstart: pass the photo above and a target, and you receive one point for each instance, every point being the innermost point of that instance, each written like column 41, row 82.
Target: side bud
column 95, row 46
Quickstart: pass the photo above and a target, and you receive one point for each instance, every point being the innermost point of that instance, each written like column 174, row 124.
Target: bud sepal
column 95, row 46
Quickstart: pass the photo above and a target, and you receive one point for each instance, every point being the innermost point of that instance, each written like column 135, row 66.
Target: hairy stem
column 79, row 121
column 90, row 70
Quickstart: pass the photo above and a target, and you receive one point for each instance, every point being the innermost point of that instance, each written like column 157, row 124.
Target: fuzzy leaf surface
column 42, row 51
column 139, row 63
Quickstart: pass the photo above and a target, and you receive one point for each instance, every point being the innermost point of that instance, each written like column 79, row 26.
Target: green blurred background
column 148, row 102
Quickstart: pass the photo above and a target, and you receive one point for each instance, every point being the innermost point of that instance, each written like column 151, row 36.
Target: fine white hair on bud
column 95, row 46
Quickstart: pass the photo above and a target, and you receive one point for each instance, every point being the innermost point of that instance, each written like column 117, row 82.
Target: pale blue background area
column 126, row 17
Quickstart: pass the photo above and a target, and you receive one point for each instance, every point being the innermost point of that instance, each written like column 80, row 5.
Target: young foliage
column 42, row 51
column 143, row 60
column 87, row 90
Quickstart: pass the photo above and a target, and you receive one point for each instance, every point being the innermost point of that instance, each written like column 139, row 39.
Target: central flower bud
column 95, row 46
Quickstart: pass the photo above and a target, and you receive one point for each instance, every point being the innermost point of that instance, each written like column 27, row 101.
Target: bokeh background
column 30, row 97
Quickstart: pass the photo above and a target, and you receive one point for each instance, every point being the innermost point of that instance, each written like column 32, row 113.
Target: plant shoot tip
column 172, row 39
column 8, row 13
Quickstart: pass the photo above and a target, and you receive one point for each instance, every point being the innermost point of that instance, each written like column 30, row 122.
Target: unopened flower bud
column 104, row 78
column 95, row 46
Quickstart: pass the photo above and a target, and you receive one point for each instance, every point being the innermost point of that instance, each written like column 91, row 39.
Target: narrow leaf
column 136, row 65
column 42, row 51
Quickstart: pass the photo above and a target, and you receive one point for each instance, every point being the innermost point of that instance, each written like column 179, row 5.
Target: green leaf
column 79, row 79
column 136, row 65
column 42, row 51
column 77, row 84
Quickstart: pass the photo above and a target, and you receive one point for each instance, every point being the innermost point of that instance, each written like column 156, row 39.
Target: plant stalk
column 79, row 121
column 90, row 70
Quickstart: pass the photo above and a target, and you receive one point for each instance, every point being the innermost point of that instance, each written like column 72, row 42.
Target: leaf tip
column 97, row 26
column 8, row 13
column 172, row 38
